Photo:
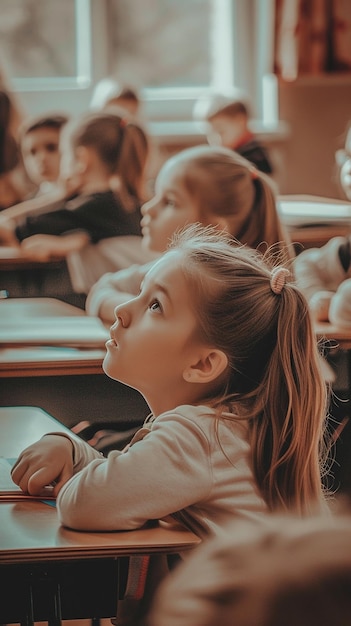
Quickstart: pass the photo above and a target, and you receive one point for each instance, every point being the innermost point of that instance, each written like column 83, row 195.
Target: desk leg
column 29, row 617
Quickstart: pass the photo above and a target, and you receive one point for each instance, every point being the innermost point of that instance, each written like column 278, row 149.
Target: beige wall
column 317, row 112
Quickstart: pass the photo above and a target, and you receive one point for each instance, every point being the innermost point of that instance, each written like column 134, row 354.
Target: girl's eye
column 170, row 202
column 155, row 306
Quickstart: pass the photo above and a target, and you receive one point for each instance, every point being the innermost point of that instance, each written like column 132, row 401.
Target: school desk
column 50, row 573
column 313, row 220
column 68, row 382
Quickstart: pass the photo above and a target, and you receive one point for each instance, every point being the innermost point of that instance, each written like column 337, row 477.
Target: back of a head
column 109, row 92
column 120, row 143
column 221, row 103
column 291, row 572
column 227, row 185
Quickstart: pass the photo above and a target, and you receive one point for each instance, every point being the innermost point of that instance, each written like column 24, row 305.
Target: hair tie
column 278, row 278
column 254, row 174
column 123, row 122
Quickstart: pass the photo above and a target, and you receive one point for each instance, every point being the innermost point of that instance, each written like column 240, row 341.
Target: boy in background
column 40, row 139
column 227, row 119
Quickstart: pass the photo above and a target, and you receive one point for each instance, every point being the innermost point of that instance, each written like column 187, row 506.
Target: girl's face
column 170, row 209
column 155, row 337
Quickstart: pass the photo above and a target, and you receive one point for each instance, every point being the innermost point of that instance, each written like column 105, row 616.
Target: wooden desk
column 313, row 220
column 69, row 383
column 51, row 573
column 340, row 336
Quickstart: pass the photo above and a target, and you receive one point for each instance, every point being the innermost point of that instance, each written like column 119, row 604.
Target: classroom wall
column 317, row 111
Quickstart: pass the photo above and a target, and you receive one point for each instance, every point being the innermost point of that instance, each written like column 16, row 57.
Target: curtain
column 312, row 37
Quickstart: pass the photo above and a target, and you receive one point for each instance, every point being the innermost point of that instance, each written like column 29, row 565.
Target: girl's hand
column 38, row 248
column 46, row 462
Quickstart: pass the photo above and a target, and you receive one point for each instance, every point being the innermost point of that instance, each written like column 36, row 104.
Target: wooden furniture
column 50, row 573
column 69, row 383
column 313, row 220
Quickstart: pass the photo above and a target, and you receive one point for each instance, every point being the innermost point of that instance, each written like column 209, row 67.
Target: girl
column 96, row 149
column 201, row 184
column 224, row 353
column 222, row 349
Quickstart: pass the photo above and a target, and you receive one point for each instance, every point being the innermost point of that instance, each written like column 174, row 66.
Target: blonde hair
column 121, row 144
column 227, row 185
column 274, row 378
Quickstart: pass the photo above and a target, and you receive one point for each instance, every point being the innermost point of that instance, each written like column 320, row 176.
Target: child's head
column 288, row 571
column 226, row 118
column 40, row 141
column 108, row 92
column 221, row 328
column 213, row 186
column 107, row 144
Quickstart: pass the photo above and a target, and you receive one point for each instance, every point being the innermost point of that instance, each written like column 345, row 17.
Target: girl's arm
column 45, row 247
column 114, row 289
column 168, row 470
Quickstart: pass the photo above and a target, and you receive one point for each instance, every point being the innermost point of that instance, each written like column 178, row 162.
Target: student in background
column 227, row 119
column 324, row 274
column 217, row 342
column 40, row 146
column 14, row 184
column 201, row 184
column 290, row 572
column 108, row 92
column 95, row 148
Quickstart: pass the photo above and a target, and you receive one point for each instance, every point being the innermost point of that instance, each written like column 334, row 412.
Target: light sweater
column 327, row 287
column 175, row 465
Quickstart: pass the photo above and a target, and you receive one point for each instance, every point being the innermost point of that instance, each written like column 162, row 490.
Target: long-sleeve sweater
column 176, row 465
column 323, row 280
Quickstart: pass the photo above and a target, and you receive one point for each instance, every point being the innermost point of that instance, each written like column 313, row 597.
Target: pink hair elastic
column 123, row 122
column 278, row 278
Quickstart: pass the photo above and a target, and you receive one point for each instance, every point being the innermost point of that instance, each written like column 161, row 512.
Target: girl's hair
column 121, row 144
column 9, row 152
column 227, row 185
column 274, row 378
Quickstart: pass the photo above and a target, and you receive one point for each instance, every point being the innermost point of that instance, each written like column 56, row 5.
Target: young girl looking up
column 96, row 148
column 222, row 348
column 201, row 184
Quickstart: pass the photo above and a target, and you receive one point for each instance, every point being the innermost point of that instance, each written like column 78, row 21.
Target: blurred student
column 14, row 185
column 227, row 120
column 40, row 146
column 217, row 341
column 108, row 92
column 95, row 148
column 289, row 572
column 210, row 185
column 324, row 274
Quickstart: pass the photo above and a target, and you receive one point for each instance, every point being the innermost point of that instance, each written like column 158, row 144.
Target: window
column 172, row 50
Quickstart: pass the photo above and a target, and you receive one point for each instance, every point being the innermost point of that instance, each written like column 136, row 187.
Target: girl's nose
column 149, row 207
column 123, row 315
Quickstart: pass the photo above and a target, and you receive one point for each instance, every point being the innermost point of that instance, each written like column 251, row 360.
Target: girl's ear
column 82, row 157
column 211, row 365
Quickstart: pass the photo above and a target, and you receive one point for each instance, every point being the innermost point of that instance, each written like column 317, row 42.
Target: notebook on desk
column 9, row 491
column 85, row 332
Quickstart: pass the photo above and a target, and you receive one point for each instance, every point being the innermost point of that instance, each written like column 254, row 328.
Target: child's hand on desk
column 46, row 462
column 45, row 247
column 7, row 232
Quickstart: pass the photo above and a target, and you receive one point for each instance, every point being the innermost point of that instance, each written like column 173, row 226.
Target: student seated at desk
column 209, row 185
column 95, row 148
column 324, row 274
column 40, row 147
column 227, row 119
column 291, row 572
column 217, row 343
